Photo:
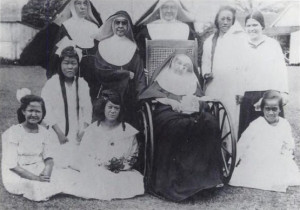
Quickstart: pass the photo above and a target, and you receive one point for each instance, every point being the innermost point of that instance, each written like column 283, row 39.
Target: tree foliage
column 38, row 13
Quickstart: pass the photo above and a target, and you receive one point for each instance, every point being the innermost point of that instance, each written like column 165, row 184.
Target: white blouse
column 265, row 67
column 23, row 148
column 52, row 95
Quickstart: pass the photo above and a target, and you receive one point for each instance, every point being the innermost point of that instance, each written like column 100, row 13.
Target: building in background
column 286, row 28
column 14, row 34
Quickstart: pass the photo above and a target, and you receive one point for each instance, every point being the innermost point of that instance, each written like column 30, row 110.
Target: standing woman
column 165, row 20
column 220, row 62
column 42, row 48
column 67, row 99
column 265, row 70
column 118, row 65
column 81, row 29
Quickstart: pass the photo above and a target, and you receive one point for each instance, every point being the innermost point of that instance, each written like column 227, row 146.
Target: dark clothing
column 39, row 50
column 187, row 156
column 187, row 149
column 247, row 110
column 114, row 77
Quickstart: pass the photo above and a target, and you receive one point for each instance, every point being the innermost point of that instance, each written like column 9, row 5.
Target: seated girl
column 265, row 150
column 68, row 106
column 108, row 151
column 27, row 164
column 187, row 156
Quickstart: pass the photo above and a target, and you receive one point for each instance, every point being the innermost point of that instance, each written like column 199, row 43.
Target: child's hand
column 43, row 178
column 79, row 136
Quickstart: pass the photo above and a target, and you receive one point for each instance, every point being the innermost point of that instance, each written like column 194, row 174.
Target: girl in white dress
column 265, row 151
column 68, row 106
column 27, row 163
column 107, row 154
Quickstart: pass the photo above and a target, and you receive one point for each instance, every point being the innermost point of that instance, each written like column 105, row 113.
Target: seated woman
column 27, row 163
column 168, row 20
column 68, row 104
column 108, row 152
column 118, row 63
column 187, row 150
column 265, row 150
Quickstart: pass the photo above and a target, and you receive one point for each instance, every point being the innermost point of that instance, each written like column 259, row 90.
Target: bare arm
column 61, row 136
column 28, row 175
column 49, row 163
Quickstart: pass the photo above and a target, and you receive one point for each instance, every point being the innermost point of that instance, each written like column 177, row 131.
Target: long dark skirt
column 187, row 155
column 247, row 110
column 87, row 71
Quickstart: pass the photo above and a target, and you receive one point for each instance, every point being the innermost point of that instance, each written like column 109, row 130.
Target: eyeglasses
column 274, row 109
column 122, row 22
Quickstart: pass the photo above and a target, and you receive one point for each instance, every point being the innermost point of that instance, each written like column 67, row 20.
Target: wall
column 14, row 36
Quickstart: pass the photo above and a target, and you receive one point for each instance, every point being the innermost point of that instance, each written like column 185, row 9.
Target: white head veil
column 185, row 84
column 89, row 16
column 114, row 49
column 81, row 30
column 182, row 14
column 107, row 30
column 69, row 11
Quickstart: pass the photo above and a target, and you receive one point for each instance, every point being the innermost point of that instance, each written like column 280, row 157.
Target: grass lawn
column 14, row 77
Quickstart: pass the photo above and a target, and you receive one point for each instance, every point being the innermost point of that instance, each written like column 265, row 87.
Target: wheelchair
column 156, row 53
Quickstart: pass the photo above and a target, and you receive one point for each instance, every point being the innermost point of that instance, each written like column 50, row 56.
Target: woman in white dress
column 68, row 105
column 265, row 150
column 265, row 69
column 221, row 66
column 27, row 163
column 107, row 154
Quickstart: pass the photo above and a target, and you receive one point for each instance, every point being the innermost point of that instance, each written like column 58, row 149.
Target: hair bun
column 22, row 92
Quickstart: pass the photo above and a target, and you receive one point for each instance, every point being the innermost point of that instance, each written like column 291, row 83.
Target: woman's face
column 181, row 65
column 120, row 26
column 33, row 113
column 81, row 8
column 69, row 67
column 111, row 111
column 169, row 11
column 254, row 29
column 271, row 110
column 225, row 20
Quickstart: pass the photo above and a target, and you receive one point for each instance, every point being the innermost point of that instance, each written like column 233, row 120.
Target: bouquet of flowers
column 116, row 165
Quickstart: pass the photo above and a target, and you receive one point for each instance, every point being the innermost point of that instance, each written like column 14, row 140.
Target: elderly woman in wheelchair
column 186, row 150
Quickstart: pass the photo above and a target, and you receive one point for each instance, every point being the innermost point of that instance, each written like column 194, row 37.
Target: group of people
column 80, row 136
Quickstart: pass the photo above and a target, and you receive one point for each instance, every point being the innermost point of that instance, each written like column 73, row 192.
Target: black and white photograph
column 150, row 104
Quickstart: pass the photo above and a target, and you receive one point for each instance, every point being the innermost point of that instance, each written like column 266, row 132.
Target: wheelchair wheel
column 145, row 118
column 227, row 138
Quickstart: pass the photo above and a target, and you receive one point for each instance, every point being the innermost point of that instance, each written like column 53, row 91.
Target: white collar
column 75, row 27
column 117, row 50
column 177, row 84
